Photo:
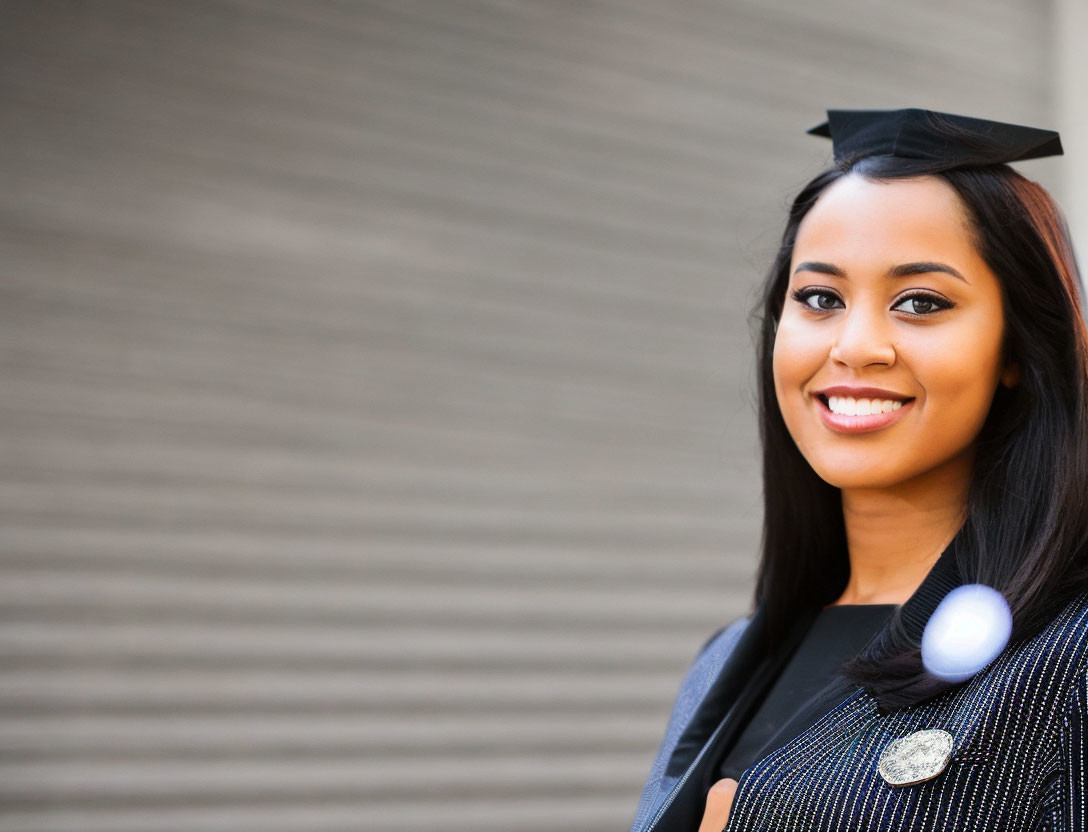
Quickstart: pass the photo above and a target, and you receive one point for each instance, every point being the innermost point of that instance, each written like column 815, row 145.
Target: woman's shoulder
column 725, row 637
column 708, row 661
column 1052, row 660
column 1075, row 612
column 1065, row 638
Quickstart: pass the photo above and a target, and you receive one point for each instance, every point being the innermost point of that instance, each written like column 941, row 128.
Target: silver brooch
column 916, row 757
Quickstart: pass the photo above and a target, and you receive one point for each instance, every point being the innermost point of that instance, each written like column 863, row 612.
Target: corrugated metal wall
column 377, row 436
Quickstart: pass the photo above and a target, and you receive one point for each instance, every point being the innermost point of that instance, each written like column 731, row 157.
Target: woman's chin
column 856, row 476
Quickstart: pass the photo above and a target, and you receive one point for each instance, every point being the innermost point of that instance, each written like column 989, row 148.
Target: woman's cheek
column 798, row 355
column 958, row 375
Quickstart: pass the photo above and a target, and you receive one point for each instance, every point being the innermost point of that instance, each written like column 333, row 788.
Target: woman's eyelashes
column 922, row 303
column 818, row 298
column 916, row 304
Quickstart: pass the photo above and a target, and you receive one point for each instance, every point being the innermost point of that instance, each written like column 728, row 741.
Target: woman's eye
column 921, row 304
column 822, row 301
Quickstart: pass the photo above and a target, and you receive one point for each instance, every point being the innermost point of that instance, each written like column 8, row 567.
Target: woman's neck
column 895, row 535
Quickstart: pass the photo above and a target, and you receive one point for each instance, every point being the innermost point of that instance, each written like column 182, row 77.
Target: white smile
column 847, row 406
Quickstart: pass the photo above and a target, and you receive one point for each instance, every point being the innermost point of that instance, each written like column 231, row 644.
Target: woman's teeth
column 846, row 406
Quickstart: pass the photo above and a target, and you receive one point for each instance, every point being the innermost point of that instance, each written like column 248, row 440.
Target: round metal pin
column 916, row 757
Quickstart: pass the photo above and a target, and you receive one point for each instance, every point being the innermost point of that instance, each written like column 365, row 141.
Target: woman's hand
column 719, row 800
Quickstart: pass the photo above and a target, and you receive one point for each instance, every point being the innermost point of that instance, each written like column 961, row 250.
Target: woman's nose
column 863, row 338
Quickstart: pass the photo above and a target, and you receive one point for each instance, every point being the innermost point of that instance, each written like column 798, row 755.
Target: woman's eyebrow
column 902, row 270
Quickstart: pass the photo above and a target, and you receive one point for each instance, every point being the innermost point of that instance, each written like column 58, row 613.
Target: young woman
column 923, row 367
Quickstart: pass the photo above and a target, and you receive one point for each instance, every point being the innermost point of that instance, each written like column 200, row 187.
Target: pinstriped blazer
column 1019, row 761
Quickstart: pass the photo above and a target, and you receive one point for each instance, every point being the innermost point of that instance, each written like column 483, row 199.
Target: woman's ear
column 1010, row 376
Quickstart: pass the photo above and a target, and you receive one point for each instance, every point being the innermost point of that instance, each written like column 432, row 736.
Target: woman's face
column 888, row 349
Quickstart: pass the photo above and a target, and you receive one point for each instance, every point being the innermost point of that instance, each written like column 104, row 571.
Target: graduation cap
column 943, row 138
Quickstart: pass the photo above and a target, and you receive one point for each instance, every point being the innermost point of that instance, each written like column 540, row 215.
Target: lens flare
column 970, row 626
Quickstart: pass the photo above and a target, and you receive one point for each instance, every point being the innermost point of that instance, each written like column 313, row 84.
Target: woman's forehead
column 863, row 220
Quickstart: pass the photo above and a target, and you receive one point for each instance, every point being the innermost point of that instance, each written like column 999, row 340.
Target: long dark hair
column 1026, row 528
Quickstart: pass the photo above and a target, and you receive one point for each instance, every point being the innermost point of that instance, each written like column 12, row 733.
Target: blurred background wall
column 377, row 427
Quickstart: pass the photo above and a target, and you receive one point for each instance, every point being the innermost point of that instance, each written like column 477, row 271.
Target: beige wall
column 377, row 431
column 1071, row 75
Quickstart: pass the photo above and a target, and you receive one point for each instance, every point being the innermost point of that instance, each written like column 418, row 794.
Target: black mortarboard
column 939, row 137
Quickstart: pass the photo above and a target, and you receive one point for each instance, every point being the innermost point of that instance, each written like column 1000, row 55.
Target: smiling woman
column 918, row 343
column 924, row 417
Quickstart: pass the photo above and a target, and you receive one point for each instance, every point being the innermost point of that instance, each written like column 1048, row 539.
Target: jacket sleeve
column 1064, row 798
column 1073, row 814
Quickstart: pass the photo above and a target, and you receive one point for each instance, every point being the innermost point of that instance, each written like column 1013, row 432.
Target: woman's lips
column 842, row 423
